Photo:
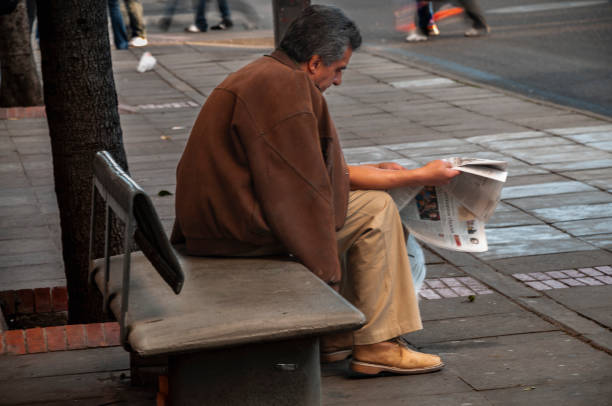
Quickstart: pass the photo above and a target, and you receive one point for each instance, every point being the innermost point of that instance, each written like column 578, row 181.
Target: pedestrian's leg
column 423, row 16
column 200, row 15
column 226, row 20
column 224, row 10
column 136, row 18
column 169, row 11
column 119, row 33
column 473, row 12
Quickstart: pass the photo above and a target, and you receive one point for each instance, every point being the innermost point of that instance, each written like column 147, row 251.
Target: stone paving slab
column 575, row 212
column 440, row 388
column 568, row 199
column 603, row 241
column 552, row 262
column 499, row 362
column 552, row 188
column 596, row 392
column 583, row 297
column 506, row 216
column 561, row 153
column 578, row 165
column 442, row 270
column 529, row 240
column 99, row 388
column 462, row 307
column 581, row 228
column 488, row 325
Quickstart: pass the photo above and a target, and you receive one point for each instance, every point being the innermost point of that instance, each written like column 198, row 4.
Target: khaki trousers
column 376, row 275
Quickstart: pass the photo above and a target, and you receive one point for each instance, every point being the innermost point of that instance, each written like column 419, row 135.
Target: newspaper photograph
column 454, row 216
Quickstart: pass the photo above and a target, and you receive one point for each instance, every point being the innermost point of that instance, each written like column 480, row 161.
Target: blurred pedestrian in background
column 426, row 26
column 474, row 13
column 424, row 22
column 119, row 33
column 137, row 31
column 200, row 17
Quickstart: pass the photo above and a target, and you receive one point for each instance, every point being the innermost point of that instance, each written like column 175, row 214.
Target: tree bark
column 20, row 85
column 83, row 118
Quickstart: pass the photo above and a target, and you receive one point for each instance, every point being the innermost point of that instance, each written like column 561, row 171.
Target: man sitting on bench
column 263, row 174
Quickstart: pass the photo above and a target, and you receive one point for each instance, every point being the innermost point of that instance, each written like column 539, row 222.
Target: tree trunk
column 83, row 118
column 20, row 85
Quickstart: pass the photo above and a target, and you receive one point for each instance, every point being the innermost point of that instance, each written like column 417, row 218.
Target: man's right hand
column 437, row 173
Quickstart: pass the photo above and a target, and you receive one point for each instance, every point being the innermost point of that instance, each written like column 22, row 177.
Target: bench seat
column 230, row 331
column 224, row 302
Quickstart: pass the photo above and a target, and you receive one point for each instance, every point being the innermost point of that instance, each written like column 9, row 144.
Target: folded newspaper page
column 454, row 216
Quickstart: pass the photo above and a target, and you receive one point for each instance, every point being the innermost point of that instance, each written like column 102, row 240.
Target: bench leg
column 276, row 373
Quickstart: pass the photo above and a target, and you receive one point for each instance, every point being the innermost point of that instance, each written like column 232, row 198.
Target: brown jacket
column 263, row 166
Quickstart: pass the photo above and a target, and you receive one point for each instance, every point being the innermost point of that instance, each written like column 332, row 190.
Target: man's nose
column 338, row 79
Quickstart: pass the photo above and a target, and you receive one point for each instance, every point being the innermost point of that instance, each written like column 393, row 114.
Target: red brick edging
column 59, row 338
column 39, row 300
column 16, row 113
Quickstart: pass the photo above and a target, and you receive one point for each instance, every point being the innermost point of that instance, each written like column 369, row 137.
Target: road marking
column 173, row 105
column 406, row 84
column 545, row 7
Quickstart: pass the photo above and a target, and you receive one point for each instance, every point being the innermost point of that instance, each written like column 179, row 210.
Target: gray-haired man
column 263, row 173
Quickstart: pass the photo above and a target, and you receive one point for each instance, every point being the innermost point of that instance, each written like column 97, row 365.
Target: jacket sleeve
column 292, row 185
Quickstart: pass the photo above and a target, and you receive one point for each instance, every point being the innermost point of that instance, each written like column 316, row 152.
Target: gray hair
column 320, row 30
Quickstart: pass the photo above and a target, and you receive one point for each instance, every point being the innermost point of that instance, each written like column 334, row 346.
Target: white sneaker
column 138, row 42
column 415, row 36
column 194, row 29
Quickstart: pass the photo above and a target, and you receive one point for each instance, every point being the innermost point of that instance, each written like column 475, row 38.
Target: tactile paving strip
column 567, row 278
column 440, row 288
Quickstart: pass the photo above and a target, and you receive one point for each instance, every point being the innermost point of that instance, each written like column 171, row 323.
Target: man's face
column 326, row 75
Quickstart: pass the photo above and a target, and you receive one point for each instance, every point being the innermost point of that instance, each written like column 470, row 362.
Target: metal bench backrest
column 132, row 205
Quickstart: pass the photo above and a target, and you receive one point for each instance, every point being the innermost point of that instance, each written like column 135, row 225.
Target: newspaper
column 454, row 216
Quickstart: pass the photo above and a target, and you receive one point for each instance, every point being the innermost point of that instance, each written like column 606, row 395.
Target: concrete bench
column 234, row 330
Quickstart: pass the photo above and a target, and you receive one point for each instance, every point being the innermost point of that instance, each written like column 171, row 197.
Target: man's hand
column 437, row 173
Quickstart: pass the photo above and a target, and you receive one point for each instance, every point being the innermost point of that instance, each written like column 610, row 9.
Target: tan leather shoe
column 392, row 356
column 336, row 347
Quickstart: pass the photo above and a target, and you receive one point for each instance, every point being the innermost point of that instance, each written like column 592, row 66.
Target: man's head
column 321, row 40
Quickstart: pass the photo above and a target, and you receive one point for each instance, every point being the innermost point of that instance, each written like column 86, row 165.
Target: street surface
column 560, row 51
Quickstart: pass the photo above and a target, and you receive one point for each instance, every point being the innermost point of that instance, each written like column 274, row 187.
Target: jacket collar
column 283, row 58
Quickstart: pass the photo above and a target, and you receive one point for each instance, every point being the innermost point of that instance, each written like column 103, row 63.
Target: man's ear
column 314, row 63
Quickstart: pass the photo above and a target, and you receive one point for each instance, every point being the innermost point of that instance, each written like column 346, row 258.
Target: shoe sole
column 366, row 368
column 335, row 356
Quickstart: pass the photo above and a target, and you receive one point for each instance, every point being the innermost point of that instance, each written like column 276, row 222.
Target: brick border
column 59, row 338
column 39, row 300
column 16, row 113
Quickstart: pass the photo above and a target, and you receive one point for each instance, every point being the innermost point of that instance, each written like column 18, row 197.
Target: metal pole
column 285, row 11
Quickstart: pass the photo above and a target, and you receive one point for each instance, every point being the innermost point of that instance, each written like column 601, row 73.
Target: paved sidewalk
column 538, row 327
